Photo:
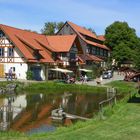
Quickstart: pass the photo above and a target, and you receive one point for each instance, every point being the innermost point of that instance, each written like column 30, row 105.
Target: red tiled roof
column 101, row 37
column 59, row 61
column 90, row 58
column 26, row 41
column 97, row 44
column 11, row 32
column 80, row 60
column 61, row 43
column 46, row 56
column 94, row 58
column 82, row 30
column 44, row 42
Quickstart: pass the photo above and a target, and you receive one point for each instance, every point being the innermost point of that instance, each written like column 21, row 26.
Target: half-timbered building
column 92, row 45
column 24, row 50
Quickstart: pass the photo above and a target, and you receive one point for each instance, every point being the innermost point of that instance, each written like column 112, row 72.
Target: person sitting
column 68, row 79
column 72, row 80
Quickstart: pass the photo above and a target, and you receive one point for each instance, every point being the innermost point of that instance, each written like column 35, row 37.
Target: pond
column 31, row 113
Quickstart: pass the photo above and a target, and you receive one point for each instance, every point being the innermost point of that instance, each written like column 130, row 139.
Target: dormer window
column 1, row 34
column 37, row 55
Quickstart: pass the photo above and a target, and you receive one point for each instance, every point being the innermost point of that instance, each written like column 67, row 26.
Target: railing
column 111, row 100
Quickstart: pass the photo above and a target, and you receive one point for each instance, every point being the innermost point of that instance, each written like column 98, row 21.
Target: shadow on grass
column 134, row 99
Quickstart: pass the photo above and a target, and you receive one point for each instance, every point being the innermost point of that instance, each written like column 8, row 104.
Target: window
column 88, row 50
column 98, row 51
column 101, row 52
column 63, row 54
column 105, row 53
column 1, row 52
column 94, row 51
column 72, row 56
column 14, row 69
column 10, row 52
column 1, row 34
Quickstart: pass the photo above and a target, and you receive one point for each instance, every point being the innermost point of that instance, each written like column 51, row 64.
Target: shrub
column 29, row 75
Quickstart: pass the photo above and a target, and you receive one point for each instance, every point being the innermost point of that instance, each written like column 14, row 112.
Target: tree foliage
column 122, row 40
column 50, row 28
column 59, row 25
column 137, row 57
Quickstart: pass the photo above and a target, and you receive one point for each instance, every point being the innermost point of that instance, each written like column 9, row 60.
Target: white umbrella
column 62, row 70
column 85, row 70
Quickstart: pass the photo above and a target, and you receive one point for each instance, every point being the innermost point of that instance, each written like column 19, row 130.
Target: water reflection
column 32, row 112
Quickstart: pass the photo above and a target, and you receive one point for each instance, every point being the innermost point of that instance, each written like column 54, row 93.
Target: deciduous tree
column 50, row 28
column 122, row 40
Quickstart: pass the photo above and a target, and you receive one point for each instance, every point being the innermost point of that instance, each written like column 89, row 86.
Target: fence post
column 100, row 110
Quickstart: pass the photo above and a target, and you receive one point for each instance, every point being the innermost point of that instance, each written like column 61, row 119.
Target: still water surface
column 32, row 112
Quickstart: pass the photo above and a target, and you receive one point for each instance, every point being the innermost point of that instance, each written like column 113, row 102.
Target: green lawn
column 123, row 125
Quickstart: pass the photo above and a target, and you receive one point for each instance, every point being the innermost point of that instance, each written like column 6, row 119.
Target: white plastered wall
column 17, row 62
column 20, row 69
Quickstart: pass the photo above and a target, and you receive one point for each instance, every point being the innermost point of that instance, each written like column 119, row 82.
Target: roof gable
column 82, row 30
column 61, row 43
column 23, row 39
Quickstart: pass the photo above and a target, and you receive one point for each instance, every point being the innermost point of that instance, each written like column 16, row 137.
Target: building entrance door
column 36, row 73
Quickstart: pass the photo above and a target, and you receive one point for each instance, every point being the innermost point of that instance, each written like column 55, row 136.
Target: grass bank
column 122, row 122
column 55, row 87
column 123, row 87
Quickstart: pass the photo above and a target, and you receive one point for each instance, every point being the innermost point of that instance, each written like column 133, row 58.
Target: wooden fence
column 111, row 100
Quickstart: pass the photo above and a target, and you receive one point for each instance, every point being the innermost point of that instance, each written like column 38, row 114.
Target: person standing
column 10, row 74
column 85, row 78
column 101, row 79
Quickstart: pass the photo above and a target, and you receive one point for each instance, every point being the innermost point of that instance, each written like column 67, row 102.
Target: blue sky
column 97, row 14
